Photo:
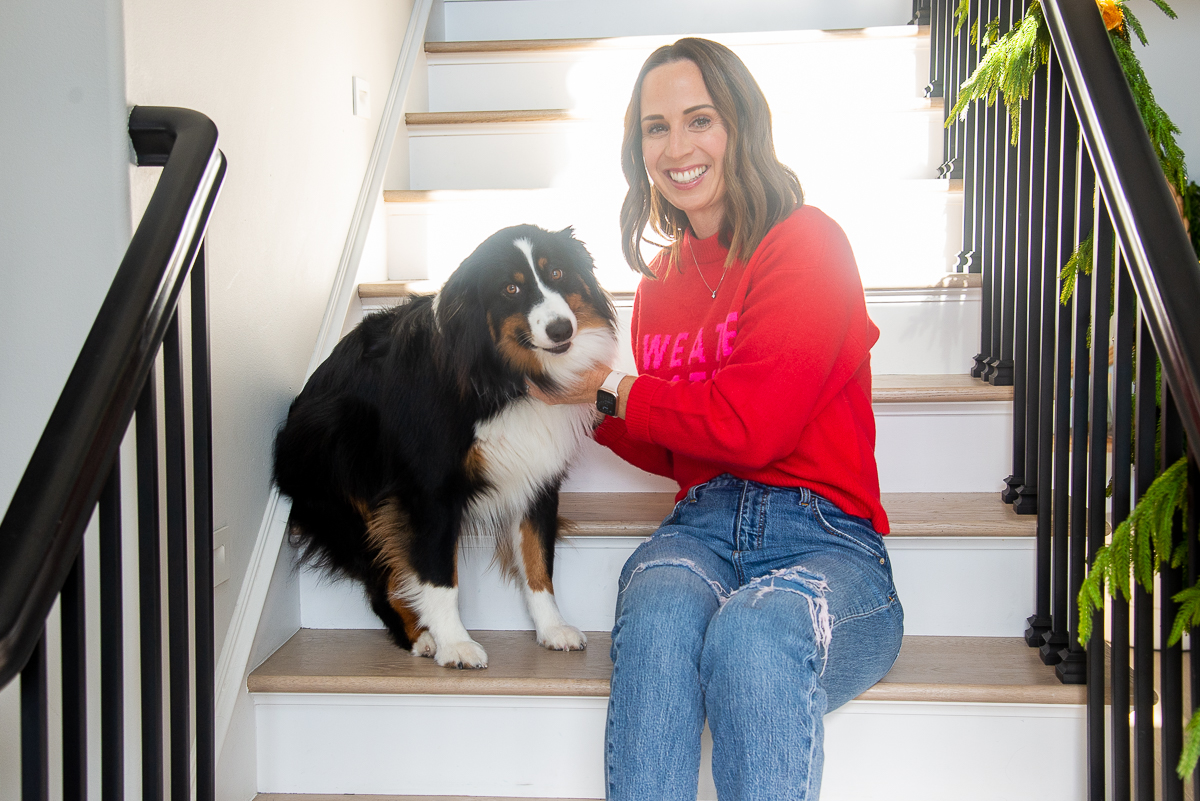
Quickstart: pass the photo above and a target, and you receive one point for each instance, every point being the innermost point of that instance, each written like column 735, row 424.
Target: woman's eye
column 655, row 129
column 513, row 289
column 702, row 122
column 555, row 275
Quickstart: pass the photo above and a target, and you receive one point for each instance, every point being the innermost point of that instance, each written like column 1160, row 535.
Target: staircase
column 529, row 131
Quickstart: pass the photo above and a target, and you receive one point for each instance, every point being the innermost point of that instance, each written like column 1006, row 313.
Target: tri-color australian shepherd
column 418, row 431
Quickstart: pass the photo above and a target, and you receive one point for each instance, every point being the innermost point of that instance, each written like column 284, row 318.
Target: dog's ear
column 462, row 324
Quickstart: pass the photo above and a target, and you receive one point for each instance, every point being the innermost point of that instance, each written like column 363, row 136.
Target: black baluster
column 1064, row 239
column 1125, row 324
column 178, row 650
column 1072, row 669
column 971, row 159
column 1032, row 228
column 1170, row 584
column 150, row 592
column 202, row 482
column 1045, row 270
column 1016, row 260
column 985, row 178
column 937, row 47
column 74, row 683
column 35, row 727
column 997, row 202
column 1012, row 167
column 1144, row 467
column 1097, row 484
column 112, row 659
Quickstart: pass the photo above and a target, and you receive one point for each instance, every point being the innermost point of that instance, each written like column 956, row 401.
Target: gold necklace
column 692, row 250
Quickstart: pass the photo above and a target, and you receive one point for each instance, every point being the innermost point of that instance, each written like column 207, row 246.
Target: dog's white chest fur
column 523, row 449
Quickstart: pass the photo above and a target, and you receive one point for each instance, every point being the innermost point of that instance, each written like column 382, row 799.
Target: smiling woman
column 766, row 598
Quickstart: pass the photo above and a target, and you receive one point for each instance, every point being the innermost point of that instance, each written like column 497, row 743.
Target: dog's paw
column 462, row 654
column 562, row 638
column 424, row 646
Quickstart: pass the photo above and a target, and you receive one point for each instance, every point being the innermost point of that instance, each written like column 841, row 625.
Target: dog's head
column 528, row 299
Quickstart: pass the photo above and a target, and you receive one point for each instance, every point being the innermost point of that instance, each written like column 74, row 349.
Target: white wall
column 64, row 225
column 275, row 76
column 64, row 209
column 469, row 20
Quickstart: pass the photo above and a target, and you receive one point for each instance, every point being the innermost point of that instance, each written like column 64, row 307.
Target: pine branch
column 960, row 15
column 1158, row 124
column 1191, row 747
column 1140, row 545
column 1164, row 8
column 1080, row 261
column 1134, row 24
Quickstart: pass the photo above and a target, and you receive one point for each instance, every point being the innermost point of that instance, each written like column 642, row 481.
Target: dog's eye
column 513, row 289
column 555, row 275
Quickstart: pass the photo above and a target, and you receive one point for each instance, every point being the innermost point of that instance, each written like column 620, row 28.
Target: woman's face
column 683, row 143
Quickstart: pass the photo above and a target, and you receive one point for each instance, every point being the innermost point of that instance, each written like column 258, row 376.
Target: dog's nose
column 560, row 330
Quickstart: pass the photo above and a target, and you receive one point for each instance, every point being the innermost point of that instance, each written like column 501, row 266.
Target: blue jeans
column 760, row 608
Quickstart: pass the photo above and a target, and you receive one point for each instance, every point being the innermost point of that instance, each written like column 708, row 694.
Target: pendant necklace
column 692, row 249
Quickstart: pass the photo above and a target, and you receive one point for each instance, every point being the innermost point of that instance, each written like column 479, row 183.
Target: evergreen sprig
column 1008, row 67
column 1138, row 548
column 1158, row 124
column 1080, row 261
column 960, row 15
column 1191, row 747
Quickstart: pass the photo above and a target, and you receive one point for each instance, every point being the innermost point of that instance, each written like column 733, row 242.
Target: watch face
column 606, row 402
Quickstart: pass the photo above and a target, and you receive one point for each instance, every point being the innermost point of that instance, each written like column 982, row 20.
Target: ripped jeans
column 760, row 608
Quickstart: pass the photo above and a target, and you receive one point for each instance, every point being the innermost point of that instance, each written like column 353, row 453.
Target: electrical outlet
column 362, row 98
column 220, row 561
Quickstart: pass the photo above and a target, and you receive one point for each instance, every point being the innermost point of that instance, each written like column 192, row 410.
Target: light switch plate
column 362, row 98
column 220, row 560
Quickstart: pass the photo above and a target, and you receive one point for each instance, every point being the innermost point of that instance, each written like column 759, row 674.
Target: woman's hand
column 583, row 392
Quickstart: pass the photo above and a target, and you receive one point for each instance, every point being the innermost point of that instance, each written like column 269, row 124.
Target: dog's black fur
column 386, row 433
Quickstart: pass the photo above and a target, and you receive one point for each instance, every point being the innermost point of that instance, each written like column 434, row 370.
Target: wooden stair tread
column 371, row 797
column 957, row 669
column 911, row 514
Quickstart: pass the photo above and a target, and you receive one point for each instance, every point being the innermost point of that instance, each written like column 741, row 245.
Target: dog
column 418, row 431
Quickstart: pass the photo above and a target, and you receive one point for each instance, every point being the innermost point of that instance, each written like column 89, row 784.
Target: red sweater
column 770, row 382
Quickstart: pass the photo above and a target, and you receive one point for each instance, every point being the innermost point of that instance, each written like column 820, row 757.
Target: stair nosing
column 1042, row 690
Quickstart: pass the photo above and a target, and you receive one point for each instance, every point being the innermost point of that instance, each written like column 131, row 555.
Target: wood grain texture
column 484, row 117
column 963, row 669
column 911, row 514
column 896, row 388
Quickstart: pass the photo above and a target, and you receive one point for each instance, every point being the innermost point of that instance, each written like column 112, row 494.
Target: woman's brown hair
column 759, row 190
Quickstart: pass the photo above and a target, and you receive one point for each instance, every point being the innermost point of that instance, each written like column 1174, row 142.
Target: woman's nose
column 677, row 143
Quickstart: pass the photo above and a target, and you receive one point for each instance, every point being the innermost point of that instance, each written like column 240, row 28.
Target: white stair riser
column 553, row 747
column 919, row 447
column 847, row 143
column 549, row 19
column 950, row 586
column 908, row 233
column 811, row 70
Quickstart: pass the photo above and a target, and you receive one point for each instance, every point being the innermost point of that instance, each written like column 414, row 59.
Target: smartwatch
column 606, row 396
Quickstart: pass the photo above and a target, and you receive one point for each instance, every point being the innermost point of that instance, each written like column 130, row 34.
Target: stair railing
column 1084, row 165
column 75, row 470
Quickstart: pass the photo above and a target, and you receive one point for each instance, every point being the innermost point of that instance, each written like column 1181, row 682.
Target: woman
column 766, row 598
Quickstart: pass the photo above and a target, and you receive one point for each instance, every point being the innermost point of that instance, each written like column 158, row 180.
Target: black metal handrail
column 75, row 470
column 43, row 527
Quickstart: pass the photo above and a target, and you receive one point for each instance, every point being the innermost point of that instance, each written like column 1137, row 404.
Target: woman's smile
column 683, row 143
